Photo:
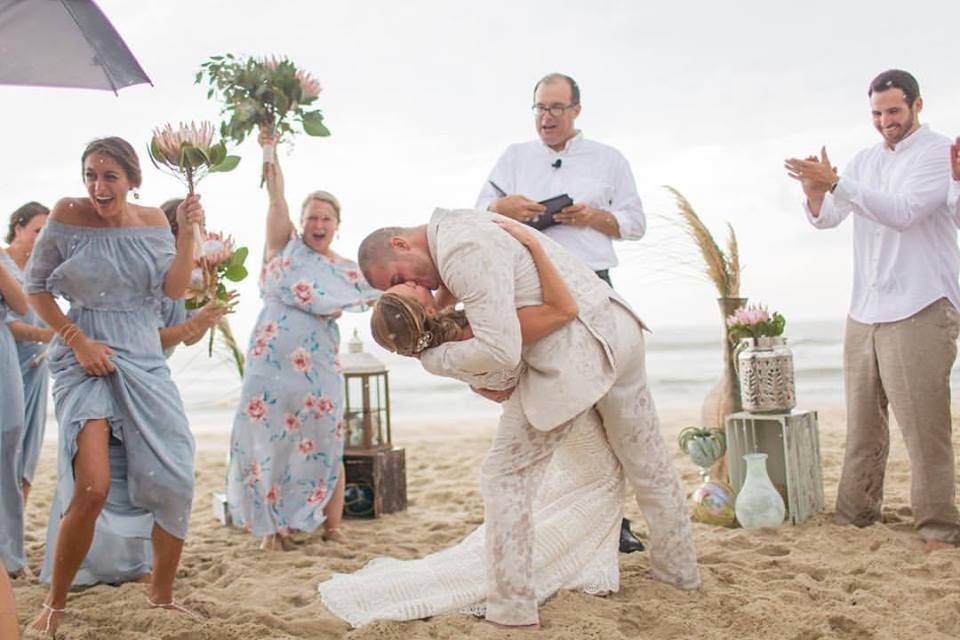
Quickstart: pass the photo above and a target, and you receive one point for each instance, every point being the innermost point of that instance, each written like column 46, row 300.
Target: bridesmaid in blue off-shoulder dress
column 114, row 261
column 12, row 557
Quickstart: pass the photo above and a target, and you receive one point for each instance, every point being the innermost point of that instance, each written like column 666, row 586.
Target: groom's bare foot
column 519, row 627
column 936, row 545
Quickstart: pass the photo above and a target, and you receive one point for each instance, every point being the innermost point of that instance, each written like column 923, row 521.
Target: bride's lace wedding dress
column 576, row 514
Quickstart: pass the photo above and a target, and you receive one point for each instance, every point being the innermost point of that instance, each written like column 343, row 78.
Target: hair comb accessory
column 423, row 341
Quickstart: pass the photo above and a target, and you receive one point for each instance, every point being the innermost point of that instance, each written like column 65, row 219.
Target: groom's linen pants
column 515, row 465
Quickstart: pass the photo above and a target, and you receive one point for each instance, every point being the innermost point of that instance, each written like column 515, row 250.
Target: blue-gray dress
column 114, row 558
column 113, row 278
column 287, row 439
column 12, row 556
column 33, row 368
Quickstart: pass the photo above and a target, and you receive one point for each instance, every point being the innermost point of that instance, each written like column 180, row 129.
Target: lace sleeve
column 498, row 380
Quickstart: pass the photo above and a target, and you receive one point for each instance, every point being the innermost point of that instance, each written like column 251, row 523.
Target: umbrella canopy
column 63, row 43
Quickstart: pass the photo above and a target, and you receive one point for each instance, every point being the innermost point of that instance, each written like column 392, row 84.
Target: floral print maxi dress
column 287, row 440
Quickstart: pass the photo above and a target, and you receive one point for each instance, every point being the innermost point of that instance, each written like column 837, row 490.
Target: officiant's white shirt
column 905, row 253
column 589, row 172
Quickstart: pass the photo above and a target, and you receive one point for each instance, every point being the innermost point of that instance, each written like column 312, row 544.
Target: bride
column 577, row 510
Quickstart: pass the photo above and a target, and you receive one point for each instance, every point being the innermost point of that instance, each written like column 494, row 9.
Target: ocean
column 682, row 365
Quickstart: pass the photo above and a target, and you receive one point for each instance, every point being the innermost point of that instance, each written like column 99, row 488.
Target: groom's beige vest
column 568, row 370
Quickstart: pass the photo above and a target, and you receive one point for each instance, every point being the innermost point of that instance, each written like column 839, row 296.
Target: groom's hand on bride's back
column 494, row 394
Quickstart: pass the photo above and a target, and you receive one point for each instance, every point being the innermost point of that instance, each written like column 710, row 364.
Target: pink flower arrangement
column 256, row 409
column 754, row 321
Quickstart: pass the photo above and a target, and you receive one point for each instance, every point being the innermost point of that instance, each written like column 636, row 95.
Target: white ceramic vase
column 759, row 503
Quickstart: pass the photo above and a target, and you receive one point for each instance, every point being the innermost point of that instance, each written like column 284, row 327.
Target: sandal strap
column 173, row 605
column 52, row 610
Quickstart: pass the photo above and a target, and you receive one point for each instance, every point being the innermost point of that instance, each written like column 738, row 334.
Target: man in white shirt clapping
column 901, row 333
column 596, row 176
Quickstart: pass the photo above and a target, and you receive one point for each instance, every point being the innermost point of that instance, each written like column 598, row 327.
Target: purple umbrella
column 63, row 43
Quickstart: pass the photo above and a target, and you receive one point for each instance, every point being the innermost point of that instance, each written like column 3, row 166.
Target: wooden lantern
column 376, row 470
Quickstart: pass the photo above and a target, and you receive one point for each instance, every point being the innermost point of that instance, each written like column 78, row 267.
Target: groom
column 596, row 360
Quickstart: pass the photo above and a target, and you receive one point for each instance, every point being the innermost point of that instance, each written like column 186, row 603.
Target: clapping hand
column 816, row 175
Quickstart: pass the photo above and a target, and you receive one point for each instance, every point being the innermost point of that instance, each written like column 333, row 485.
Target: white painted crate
column 792, row 444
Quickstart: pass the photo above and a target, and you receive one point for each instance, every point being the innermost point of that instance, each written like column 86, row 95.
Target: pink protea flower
column 748, row 316
column 306, row 446
column 256, row 409
column 217, row 248
column 317, row 495
column 169, row 141
column 300, row 359
column 273, row 495
column 309, row 86
column 303, row 292
column 291, row 423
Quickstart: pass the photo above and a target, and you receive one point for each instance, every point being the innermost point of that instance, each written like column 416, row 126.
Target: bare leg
column 25, row 489
column 8, row 611
column 334, row 510
column 91, row 470
column 166, row 559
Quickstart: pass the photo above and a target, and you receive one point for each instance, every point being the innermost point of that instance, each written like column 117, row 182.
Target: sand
column 815, row 580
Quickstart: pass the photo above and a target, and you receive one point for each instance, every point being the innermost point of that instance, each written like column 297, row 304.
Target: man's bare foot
column 333, row 535
column 47, row 622
column 936, row 545
column 271, row 543
column 519, row 627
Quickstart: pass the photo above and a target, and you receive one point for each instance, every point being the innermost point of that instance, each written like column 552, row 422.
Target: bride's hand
column 495, row 395
column 523, row 233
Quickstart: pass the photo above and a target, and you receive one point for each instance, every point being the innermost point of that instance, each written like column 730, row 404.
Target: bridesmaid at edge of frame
column 32, row 338
column 13, row 559
column 113, row 261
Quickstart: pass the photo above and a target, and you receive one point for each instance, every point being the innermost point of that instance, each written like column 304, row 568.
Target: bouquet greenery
column 267, row 92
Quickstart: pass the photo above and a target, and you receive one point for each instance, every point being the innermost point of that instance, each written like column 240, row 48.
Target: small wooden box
column 792, row 444
column 376, row 482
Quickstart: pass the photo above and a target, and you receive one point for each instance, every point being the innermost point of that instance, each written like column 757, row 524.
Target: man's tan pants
column 905, row 364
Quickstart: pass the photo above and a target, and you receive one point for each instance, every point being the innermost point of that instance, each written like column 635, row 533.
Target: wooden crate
column 792, row 444
column 383, row 472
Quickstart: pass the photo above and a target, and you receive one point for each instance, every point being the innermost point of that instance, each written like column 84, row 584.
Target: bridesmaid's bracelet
column 70, row 333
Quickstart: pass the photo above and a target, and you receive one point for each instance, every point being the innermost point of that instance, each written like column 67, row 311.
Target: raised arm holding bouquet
column 270, row 93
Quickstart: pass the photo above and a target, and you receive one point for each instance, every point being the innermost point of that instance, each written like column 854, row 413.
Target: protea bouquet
column 271, row 93
column 754, row 321
column 221, row 262
column 189, row 153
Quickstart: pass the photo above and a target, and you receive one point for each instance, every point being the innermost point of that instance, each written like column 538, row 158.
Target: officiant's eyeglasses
column 556, row 110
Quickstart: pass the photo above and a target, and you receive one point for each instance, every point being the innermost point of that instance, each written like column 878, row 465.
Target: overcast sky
column 422, row 97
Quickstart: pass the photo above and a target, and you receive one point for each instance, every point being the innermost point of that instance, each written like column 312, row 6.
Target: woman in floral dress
column 286, row 472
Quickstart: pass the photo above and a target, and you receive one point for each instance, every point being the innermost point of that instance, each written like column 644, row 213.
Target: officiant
column 605, row 205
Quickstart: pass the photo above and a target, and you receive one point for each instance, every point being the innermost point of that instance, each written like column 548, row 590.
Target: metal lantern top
column 356, row 361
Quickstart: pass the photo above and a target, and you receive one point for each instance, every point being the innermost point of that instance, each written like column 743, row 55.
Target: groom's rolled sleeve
column 482, row 278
